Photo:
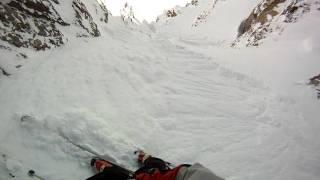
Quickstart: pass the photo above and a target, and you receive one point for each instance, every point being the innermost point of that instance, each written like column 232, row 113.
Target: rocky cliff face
column 271, row 16
column 38, row 24
column 30, row 23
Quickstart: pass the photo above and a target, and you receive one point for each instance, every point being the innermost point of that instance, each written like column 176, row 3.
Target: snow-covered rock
column 43, row 24
column 127, row 14
column 271, row 16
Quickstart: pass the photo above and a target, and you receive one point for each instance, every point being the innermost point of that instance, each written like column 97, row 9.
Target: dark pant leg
column 111, row 173
column 151, row 164
column 158, row 163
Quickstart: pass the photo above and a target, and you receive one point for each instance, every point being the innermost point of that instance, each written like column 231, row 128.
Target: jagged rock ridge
column 31, row 23
column 173, row 12
column 37, row 23
column 83, row 16
column 267, row 17
column 202, row 17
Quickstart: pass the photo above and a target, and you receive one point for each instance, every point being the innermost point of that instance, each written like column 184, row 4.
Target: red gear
column 157, row 175
column 100, row 165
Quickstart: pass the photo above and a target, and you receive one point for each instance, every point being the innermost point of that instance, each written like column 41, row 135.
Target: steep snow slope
column 184, row 99
column 211, row 20
column 284, row 63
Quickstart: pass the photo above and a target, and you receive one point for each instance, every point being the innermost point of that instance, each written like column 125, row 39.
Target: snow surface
column 244, row 113
column 220, row 25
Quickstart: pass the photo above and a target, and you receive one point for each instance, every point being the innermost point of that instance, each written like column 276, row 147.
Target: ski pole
column 32, row 173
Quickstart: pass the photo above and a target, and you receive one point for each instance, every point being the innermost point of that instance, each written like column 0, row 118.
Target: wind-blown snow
column 243, row 113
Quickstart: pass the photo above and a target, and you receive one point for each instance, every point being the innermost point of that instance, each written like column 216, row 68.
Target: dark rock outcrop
column 195, row 2
column 171, row 13
column 315, row 80
column 4, row 72
column 83, row 17
column 38, row 24
column 31, row 23
column 105, row 16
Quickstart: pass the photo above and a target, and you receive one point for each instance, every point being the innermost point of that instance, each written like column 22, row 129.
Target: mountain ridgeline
column 239, row 24
column 45, row 24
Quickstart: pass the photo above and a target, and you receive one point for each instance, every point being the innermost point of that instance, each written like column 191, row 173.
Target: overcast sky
column 144, row 9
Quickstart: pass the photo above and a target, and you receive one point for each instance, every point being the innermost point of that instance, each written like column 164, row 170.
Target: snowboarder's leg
column 108, row 170
column 110, row 173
